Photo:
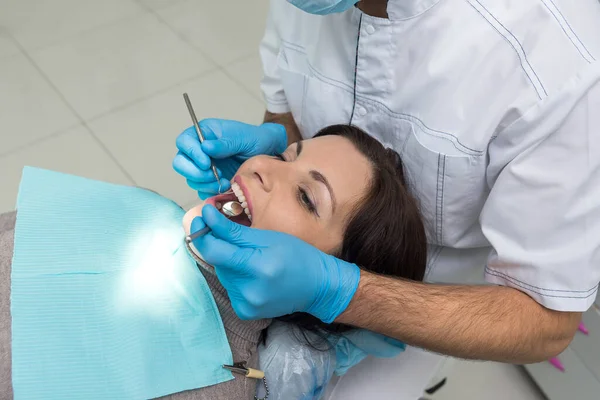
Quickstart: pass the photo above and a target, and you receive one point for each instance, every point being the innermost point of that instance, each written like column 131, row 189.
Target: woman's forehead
column 347, row 169
column 333, row 145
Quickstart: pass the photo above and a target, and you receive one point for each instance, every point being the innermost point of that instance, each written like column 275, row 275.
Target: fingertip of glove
column 197, row 224
column 283, row 139
column 208, row 146
column 203, row 196
column 225, row 184
column 210, row 127
column 176, row 161
column 394, row 342
column 191, row 130
column 280, row 133
column 210, row 214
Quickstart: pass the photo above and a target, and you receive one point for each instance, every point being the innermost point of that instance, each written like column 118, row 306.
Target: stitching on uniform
column 567, row 33
column 571, row 30
column 293, row 46
column 489, row 269
column 277, row 102
column 407, row 117
column 521, row 59
column 341, row 85
column 514, row 282
column 355, row 80
column 520, row 46
column 438, row 203
column 318, row 75
column 433, row 132
column 431, row 263
column 324, row 78
column 442, row 207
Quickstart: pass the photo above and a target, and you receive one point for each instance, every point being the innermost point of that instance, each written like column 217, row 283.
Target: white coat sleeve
column 270, row 84
column 542, row 216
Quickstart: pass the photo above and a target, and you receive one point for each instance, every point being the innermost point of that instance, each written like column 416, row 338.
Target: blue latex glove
column 323, row 7
column 354, row 346
column 229, row 144
column 268, row 274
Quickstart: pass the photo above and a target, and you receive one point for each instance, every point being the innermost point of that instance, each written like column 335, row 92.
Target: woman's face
column 310, row 192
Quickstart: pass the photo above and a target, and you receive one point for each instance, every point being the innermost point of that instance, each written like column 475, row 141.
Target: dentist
column 494, row 107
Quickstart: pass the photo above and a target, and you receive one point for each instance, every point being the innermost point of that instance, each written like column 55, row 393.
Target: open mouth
column 235, row 194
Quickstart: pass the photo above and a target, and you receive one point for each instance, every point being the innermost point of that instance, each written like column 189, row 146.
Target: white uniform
column 494, row 106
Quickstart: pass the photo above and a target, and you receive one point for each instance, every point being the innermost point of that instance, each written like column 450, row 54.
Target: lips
column 238, row 194
column 241, row 219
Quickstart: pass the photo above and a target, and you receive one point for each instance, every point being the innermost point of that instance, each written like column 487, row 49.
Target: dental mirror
column 231, row 209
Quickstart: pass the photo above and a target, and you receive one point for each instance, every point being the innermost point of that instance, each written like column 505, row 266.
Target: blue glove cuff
column 337, row 290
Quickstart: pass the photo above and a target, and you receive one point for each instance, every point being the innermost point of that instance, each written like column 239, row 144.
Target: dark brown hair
column 385, row 233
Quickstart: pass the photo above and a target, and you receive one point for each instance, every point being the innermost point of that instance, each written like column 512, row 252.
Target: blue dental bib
column 106, row 302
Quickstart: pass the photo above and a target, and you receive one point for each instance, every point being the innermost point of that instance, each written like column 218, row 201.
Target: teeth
column 241, row 198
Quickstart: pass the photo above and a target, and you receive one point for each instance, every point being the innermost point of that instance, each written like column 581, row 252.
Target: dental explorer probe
column 200, row 135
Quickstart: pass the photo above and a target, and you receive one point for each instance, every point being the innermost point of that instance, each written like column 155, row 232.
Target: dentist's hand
column 355, row 345
column 268, row 274
column 229, row 144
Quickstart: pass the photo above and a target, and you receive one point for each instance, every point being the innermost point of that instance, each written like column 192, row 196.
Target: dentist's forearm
column 476, row 322
column 287, row 120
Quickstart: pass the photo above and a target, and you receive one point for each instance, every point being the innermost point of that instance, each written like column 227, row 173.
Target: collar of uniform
column 406, row 9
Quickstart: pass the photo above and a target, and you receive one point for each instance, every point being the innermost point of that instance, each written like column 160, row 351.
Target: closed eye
column 306, row 202
column 302, row 195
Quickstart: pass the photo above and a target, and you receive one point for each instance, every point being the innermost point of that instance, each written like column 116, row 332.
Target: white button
column 361, row 111
column 370, row 29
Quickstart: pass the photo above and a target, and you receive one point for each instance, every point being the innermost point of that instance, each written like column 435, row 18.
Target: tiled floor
column 477, row 380
column 94, row 88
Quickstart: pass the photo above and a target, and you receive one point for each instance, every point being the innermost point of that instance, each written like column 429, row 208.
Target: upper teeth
column 241, row 198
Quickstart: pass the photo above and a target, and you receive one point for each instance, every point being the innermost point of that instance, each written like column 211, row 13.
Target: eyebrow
column 317, row 176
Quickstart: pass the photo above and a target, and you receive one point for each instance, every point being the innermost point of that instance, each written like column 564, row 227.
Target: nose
column 268, row 172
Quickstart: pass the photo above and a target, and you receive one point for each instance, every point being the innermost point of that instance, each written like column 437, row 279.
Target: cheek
column 301, row 225
column 282, row 218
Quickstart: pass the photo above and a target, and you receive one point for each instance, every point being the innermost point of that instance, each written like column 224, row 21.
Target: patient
column 340, row 191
